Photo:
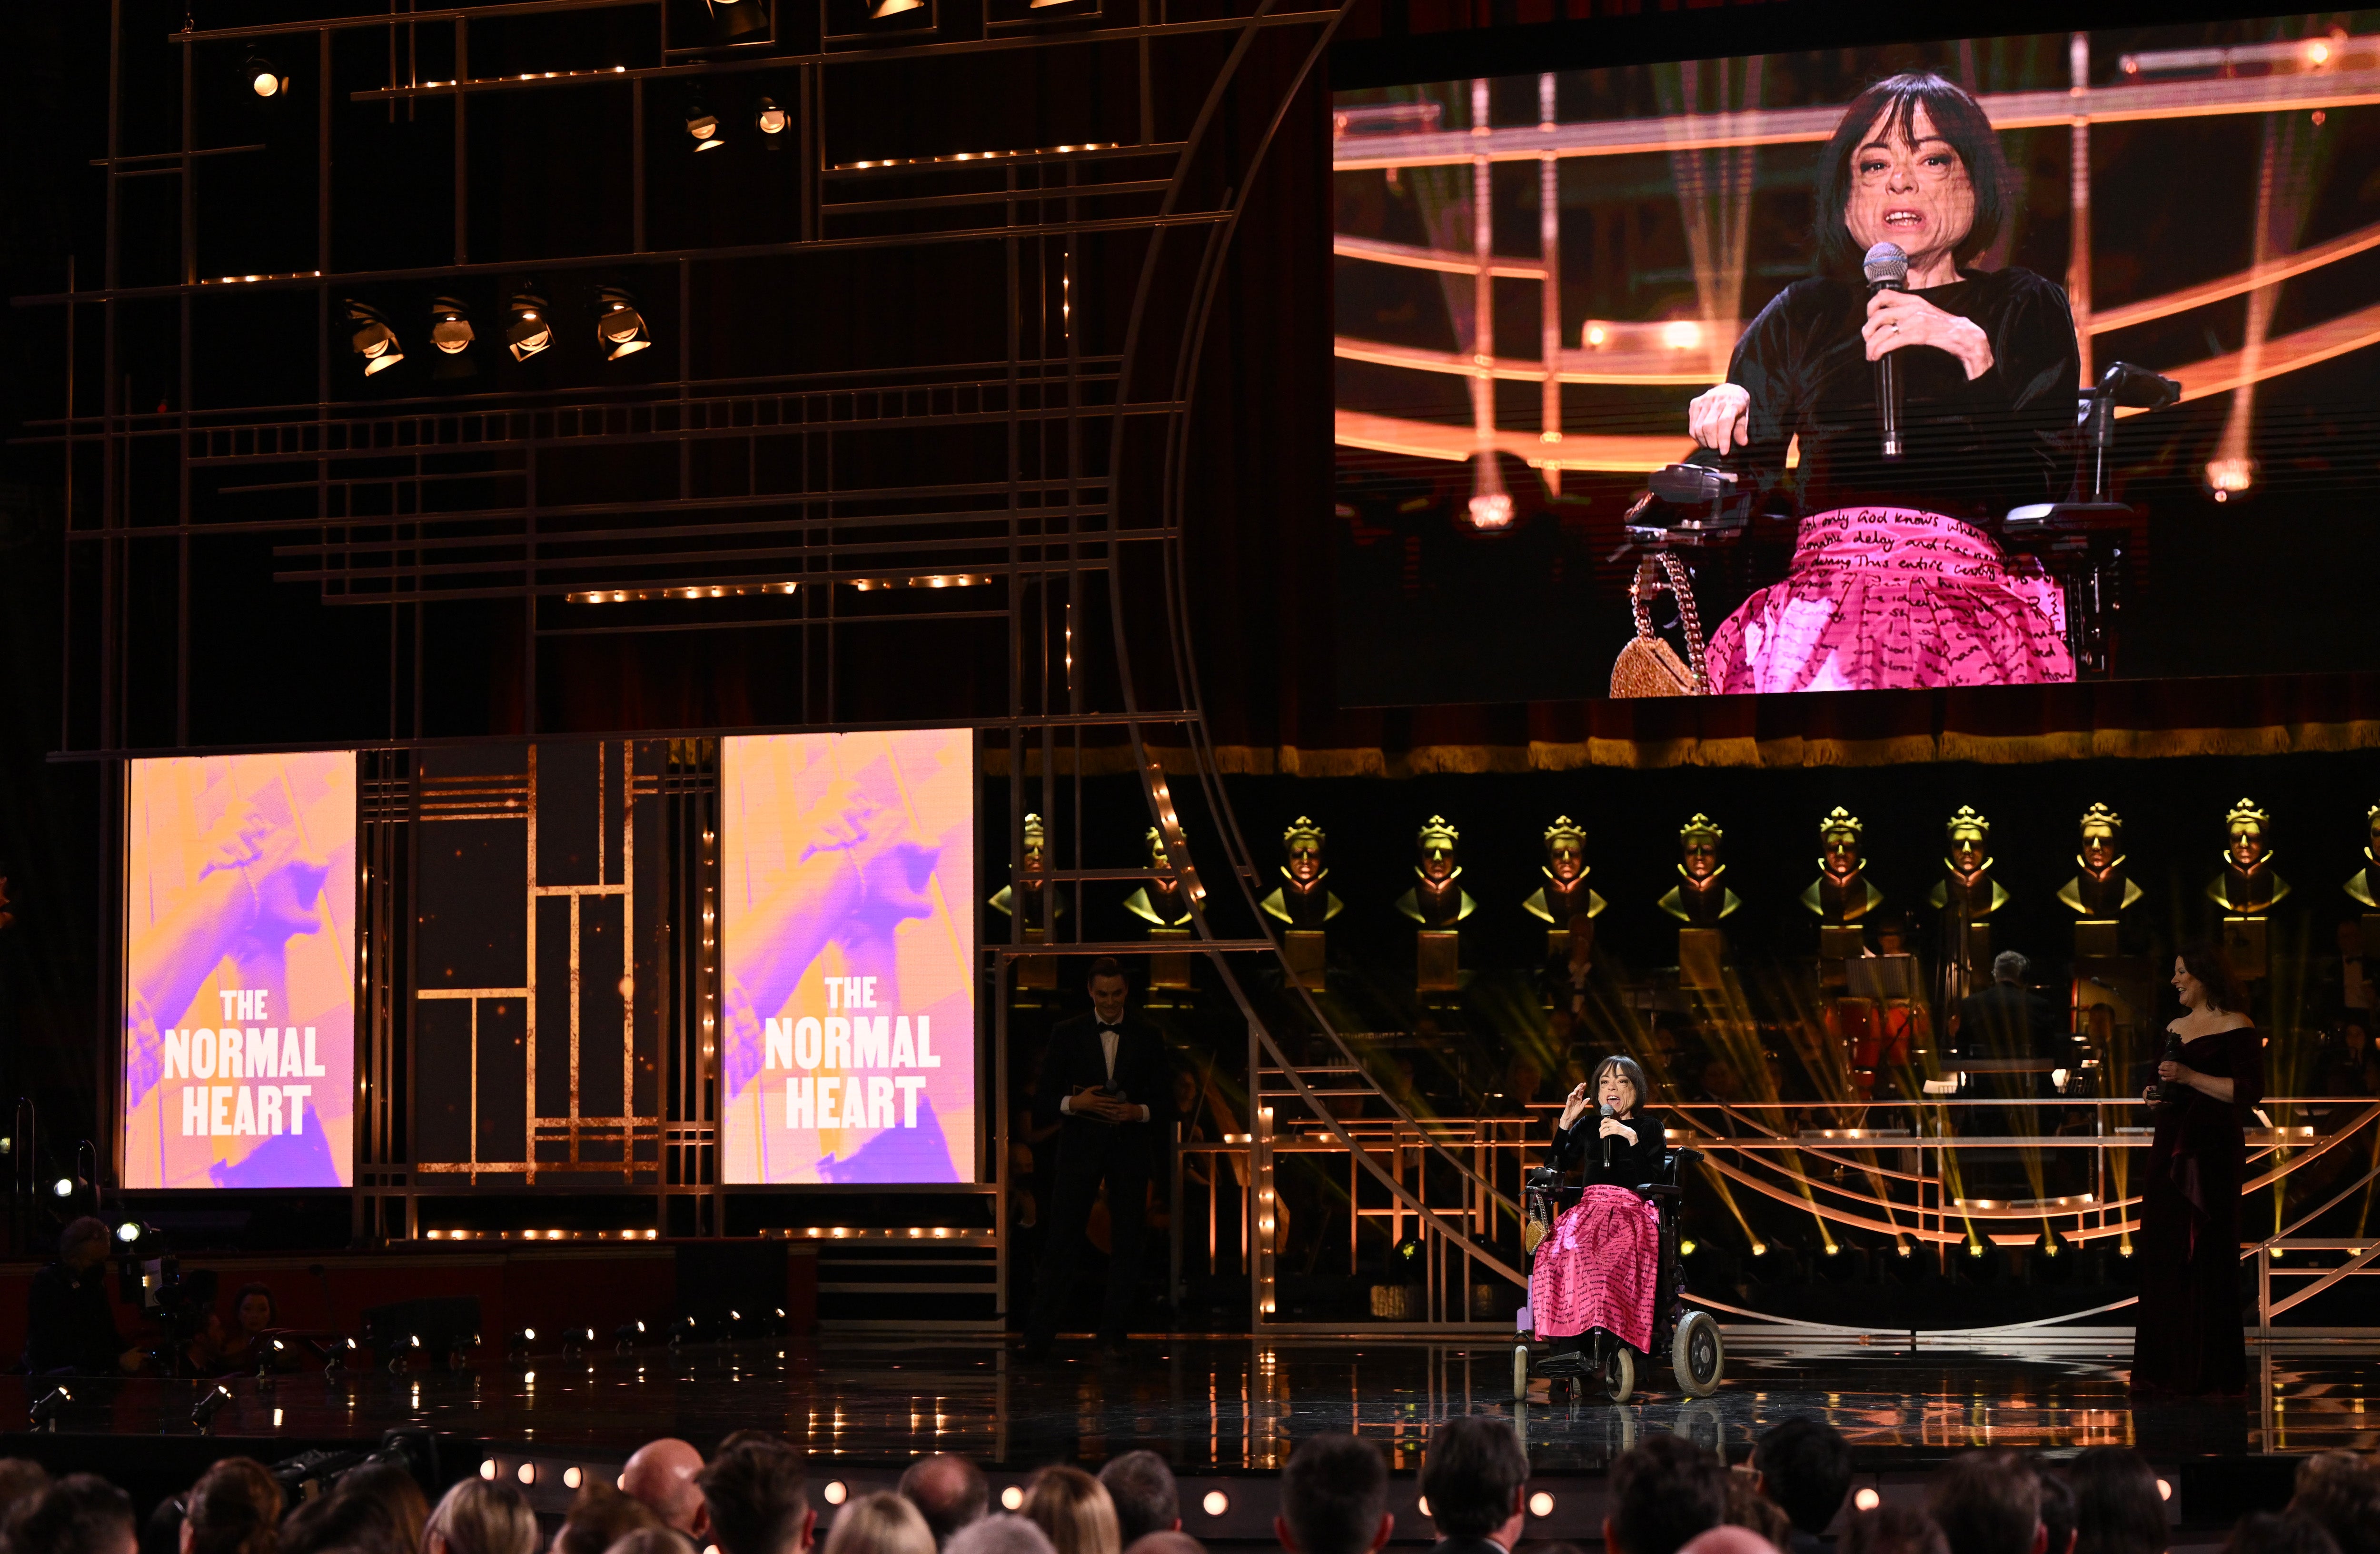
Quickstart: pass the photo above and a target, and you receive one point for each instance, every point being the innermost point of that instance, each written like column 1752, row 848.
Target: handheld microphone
column 1886, row 268
column 1608, row 1111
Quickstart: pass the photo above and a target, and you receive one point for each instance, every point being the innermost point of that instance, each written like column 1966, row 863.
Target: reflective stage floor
column 1224, row 1405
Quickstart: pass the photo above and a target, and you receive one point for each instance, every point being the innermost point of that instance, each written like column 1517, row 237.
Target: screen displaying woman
column 1896, row 581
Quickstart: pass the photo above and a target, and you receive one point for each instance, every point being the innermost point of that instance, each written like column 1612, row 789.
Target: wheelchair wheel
column 1620, row 1373
column 1519, row 1372
column 1698, row 1354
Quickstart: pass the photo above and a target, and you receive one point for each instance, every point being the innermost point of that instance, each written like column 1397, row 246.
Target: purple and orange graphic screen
column 848, row 928
column 240, row 945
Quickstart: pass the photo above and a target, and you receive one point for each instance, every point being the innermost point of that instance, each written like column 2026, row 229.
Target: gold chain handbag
column 1649, row 666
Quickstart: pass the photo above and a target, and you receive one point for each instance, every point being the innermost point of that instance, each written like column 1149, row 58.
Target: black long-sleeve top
column 1633, row 1165
column 68, row 1324
column 1973, row 449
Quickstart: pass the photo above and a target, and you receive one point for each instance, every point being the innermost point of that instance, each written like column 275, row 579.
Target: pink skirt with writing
column 1596, row 1269
column 1894, row 598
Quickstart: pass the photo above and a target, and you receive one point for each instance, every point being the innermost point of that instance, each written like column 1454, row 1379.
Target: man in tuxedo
column 2006, row 1019
column 1476, row 1478
column 1104, row 1083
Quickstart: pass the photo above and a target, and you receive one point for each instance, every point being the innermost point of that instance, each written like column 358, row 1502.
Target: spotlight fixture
column 336, row 1352
column 772, row 121
column 374, row 340
column 44, row 1414
column 883, row 9
column 63, row 1187
column 703, row 126
column 450, row 326
column 209, row 1403
column 531, row 326
column 263, row 79
column 619, row 326
column 516, row 1343
column 129, row 1232
column 734, row 20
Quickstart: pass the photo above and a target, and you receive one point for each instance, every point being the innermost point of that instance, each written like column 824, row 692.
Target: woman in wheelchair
column 1598, row 1265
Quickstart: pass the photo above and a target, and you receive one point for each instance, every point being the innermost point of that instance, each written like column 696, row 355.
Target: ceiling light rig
column 702, row 125
column 263, row 78
column 930, row 580
column 704, row 591
column 450, row 326
column 531, row 326
column 374, row 340
column 619, row 326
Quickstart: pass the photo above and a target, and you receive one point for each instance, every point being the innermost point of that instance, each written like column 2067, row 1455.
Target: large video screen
column 239, row 955
column 1985, row 362
column 847, row 948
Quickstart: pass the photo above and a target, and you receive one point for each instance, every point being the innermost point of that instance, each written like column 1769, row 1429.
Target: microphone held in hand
column 1608, row 1111
column 1886, row 268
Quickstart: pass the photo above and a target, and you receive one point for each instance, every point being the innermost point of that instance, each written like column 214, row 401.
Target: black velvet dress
column 2189, row 1337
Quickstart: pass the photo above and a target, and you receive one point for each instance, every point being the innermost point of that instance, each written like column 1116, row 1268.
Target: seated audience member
column 1731, row 1537
column 880, row 1523
column 1334, row 1498
column 481, row 1516
column 234, row 1507
column 348, row 1523
column 1750, row 1510
column 1987, row 1503
column 1146, row 1499
column 2116, row 1507
column 1001, row 1534
column 1663, row 1493
column 660, row 1476
column 21, row 1479
column 69, row 1327
column 2339, row 1491
column 599, row 1517
column 2057, row 1509
column 1165, row 1542
column 1074, row 1510
column 947, row 1491
column 653, row 1540
column 248, row 1344
column 1805, row 1467
column 1893, row 1529
column 396, row 1491
column 754, row 1499
column 81, row 1513
column 1475, row 1476
column 2260, row 1532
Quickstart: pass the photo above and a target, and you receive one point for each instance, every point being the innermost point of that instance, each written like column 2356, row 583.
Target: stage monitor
column 1984, row 362
column 239, row 971
column 846, row 926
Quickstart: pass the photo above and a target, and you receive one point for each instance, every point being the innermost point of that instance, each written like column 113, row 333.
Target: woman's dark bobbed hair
column 1957, row 119
column 2204, row 960
column 1628, row 1071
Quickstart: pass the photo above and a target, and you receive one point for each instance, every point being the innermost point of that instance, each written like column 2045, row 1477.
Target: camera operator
column 69, row 1326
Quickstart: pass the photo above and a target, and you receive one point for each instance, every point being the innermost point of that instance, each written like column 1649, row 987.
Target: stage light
column 1867, row 1500
column 572, row 1478
column 883, row 8
column 45, row 1413
column 1974, row 1249
column 373, row 340
column 1681, row 334
column 527, row 1473
column 2227, row 477
column 2165, row 1491
column 531, row 329
column 1541, row 1504
column 703, row 126
column 129, row 1232
column 1013, row 1497
column 1491, row 510
column 1216, row 1502
column 450, row 326
column 1685, row 1249
column 619, row 327
column 263, row 79
column 836, row 1492
column 202, row 1413
column 63, row 1187
column 1760, row 1249
column 772, row 122
column 1422, row 1505
column 488, row 1470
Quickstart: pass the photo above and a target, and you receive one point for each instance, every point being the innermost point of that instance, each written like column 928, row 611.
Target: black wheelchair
column 1697, row 1352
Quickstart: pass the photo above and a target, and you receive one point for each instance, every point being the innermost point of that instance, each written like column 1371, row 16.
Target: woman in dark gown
column 2188, row 1339
column 1896, row 580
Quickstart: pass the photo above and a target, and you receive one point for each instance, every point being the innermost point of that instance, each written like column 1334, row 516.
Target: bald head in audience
column 947, row 1491
column 661, row 1475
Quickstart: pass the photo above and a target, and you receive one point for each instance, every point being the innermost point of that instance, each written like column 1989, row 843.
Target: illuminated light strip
column 2316, row 343
column 244, row 280
column 1655, row 367
column 1412, row 257
column 708, row 591
column 1392, row 434
column 928, row 580
column 2268, row 273
column 953, row 157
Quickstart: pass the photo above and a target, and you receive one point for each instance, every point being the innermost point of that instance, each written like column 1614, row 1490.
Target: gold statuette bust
column 1968, row 889
column 1161, row 903
column 2102, row 891
column 2365, row 883
column 2248, row 887
column 1437, row 899
column 1841, row 892
column 1565, row 894
column 1701, row 897
column 1303, row 899
column 1032, row 883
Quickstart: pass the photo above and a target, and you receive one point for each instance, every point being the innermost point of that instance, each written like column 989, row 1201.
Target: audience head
column 947, row 1491
column 81, row 1513
column 1074, row 1509
column 2057, row 1509
column 234, row 1507
column 2116, row 1507
column 754, row 1499
column 1986, row 1502
column 1806, row 1466
column 599, row 1517
column 1733, row 1538
column 1472, row 1476
column 659, row 1477
column 83, row 1243
column 255, row 1309
column 880, row 1523
column 481, row 1516
column 653, row 1540
column 1334, row 1498
column 21, row 1479
column 1663, row 1493
column 1000, row 1533
column 1749, row 1510
column 1146, row 1499
column 397, row 1492
column 2260, row 1532
column 1893, row 1529
column 351, row 1524
column 1169, row 1542
column 2340, row 1492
